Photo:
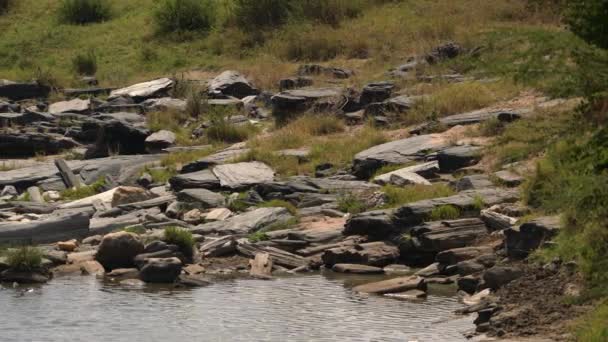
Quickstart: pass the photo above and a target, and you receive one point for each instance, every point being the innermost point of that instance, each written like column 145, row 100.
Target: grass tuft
column 397, row 196
column 178, row 16
column 182, row 238
column 24, row 258
column 85, row 64
column 84, row 191
column 350, row 203
column 280, row 204
column 444, row 212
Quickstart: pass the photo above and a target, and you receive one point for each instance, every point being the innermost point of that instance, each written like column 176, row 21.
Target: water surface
column 302, row 308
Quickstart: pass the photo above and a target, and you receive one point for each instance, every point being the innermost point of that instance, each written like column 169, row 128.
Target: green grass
column 138, row 229
column 180, row 237
column 83, row 191
column 258, row 237
column 397, row 196
column 85, row 64
column 593, row 327
column 261, row 235
column 81, row 12
column 280, row 204
column 160, row 175
column 24, row 258
column 444, row 212
column 351, row 203
column 175, row 16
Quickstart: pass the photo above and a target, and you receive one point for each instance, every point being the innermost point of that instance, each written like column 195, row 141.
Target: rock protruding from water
column 118, row 250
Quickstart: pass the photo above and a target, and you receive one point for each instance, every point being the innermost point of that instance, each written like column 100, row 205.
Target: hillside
column 465, row 139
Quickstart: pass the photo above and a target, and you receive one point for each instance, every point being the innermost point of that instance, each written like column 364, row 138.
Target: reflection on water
column 303, row 308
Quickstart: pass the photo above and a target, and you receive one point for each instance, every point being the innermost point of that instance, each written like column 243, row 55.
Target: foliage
column 330, row 12
column 258, row 14
column 184, row 15
column 82, row 12
column 397, row 196
column 83, row 191
column 25, row 258
column 588, row 19
column 351, row 203
column 593, row 327
column 261, row 235
column 258, row 237
column 444, row 212
column 280, row 204
column 222, row 131
column 5, row 5
column 182, row 238
column 138, row 229
column 85, row 64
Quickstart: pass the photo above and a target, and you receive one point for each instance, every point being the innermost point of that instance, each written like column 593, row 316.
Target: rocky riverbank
column 245, row 220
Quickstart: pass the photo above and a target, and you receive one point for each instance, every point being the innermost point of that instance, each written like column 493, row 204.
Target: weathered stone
column 145, row 90
column 240, row 175
column 401, row 178
column 376, row 92
column 509, row 178
column 25, row 144
column 164, row 103
column 396, row 152
column 498, row 276
column 467, row 267
column 445, row 235
column 118, row 250
column 34, row 277
column 222, row 157
column 294, row 82
column 297, row 100
column 408, row 295
column 356, row 269
column 130, row 194
column 468, row 284
column 394, row 285
column 123, row 273
column 201, row 179
column 473, row 182
column 378, row 223
column 201, row 198
column 247, row 222
column 232, row 83
column 443, row 52
column 160, row 140
column 161, row 270
column 522, row 240
column 71, row 106
column 22, row 91
column 373, row 253
column 455, row 255
column 429, row 271
column 454, row 158
column 67, row 246
column 316, row 69
column 92, row 267
column 118, row 136
column 220, row 214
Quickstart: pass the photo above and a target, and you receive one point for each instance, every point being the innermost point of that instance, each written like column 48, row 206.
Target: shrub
column 350, row 203
column 24, row 258
column 85, row 64
column 258, row 236
column 588, row 19
column 180, row 237
column 82, row 12
column 184, row 15
column 280, row 204
column 5, row 5
column 258, row 14
column 223, row 131
column 444, row 212
column 330, row 12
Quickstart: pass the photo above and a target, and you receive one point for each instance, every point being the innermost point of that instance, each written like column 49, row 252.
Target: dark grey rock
column 247, row 222
column 454, row 158
column 201, row 198
column 161, row 270
column 498, row 276
column 377, row 254
column 520, row 241
column 376, row 92
column 204, row 179
column 473, row 182
column 232, row 83
column 22, row 91
column 145, row 90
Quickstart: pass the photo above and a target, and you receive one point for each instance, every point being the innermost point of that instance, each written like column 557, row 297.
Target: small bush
column 139, row 229
column 444, row 212
column 82, row 12
column 258, row 237
column 182, row 238
column 5, row 5
column 223, row 131
column 85, row 64
column 350, row 203
column 330, row 12
column 184, row 15
column 24, row 259
column 587, row 18
column 259, row 14
column 280, row 204
column 84, row 191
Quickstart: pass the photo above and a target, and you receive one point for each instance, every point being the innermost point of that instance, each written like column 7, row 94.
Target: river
column 296, row 308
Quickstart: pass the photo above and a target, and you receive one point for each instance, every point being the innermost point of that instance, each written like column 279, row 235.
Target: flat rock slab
column 394, row 285
column 21, row 91
column 356, row 269
column 204, row 179
column 522, row 240
column 509, row 178
column 373, row 254
column 465, row 201
column 246, row 223
column 444, row 235
column 222, row 157
column 27, row 144
column 457, row 157
column 240, row 175
column 425, row 170
column 164, row 103
column 46, row 231
column 408, row 295
column 145, row 90
column 400, row 178
column 232, row 83
column 397, row 152
column 72, row 106
column 202, row 198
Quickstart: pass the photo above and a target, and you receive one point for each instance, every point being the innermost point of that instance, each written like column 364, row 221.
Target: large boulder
column 160, row 270
column 201, row 198
column 454, row 158
column 246, row 223
column 145, row 90
column 498, row 276
column 378, row 223
column 241, row 175
column 396, row 152
column 201, row 179
column 232, row 83
column 160, row 140
column 27, row 144
column 119, row 136
column 130, row 194
column 118, row 250
column 522, row 240
column 22, row 91
column 377, row 254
